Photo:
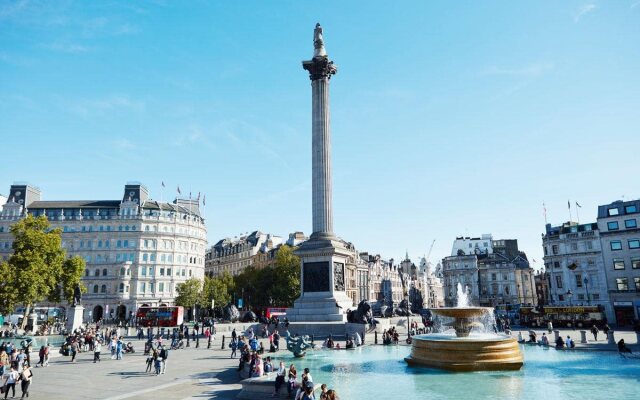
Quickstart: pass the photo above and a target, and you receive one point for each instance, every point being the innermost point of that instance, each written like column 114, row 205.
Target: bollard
column 375, row 338
column 583, row 337
column 556, row 335
column 611, row 337
column 222, row 348
column 209, row 342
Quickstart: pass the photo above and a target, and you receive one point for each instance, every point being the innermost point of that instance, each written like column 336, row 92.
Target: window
column 95, row 288
column 634, row 244
column 143, row 271
column 596, row 296
column 119, row 243
column 613, row 211
column 554, row 249
column 630, row 209
column 637, row 283
column 122, row 271
column 618, row 263
column 161, row 287
column 86, row 272
column 574, row 246
column 578, row 280
column 145, row 257
column 630, row 223
column 152, row 257
column 143, row 287
column 161, row 271
column 104, row 272
column 125, row 243
column 622, row 283
column 556, row 264
column 106, row 243
column 103, row 289
column 559, row 281
column 120, row 228
column 616, row 245
column 635, row 263
column 168, row 271
column 581, row 297
column 100, row 243
column 589, row 245
column 612, row 225
column 97, row 272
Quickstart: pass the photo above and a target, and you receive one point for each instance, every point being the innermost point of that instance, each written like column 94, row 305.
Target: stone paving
column 191, row 374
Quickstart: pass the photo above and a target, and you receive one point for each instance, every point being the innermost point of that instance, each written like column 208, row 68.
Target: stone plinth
column 263, row 388
column 74, row 317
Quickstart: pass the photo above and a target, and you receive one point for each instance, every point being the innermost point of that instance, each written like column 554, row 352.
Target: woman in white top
column 282, row 371
column 11, row 379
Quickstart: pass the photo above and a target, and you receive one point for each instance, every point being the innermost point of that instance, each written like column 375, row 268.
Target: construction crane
column 429, row 253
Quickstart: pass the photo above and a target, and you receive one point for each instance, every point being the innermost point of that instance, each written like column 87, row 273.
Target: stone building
column 501, row 276
column 620, row 242
column 385, row 281
column 235, row 255
column 136, row 249
column 433, row 291
column 574, row 265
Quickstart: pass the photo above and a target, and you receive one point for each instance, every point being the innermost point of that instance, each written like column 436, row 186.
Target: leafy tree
column 189, row 293
column 215, row 289
column 37, row 269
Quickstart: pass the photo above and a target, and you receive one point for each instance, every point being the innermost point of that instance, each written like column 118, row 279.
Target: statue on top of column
column 318, row 42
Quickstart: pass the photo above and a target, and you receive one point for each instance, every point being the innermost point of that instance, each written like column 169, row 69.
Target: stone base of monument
column 74, row 317
column 263, row 388
column 322, row 306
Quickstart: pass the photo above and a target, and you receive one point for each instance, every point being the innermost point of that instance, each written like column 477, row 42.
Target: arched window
column 104, row 272
column 121, row 288
column 120, row 227
column 86, row 272
column 97, row 273
column 122, row 271
column 126, row 228
column 103, row 289
column 95, row 288
column 146, row 228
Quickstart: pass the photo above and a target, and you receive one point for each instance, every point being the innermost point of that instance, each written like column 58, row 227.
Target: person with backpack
column 164, row 354
column 25, row 380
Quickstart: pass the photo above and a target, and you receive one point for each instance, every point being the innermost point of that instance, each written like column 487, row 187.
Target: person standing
column 293, row 377
column 164, row 354
column 97, row 348
column 25, row 380
column 595, row 330
column 234, row 347
column 4, row 361
column 10, row 383
column 74, row 350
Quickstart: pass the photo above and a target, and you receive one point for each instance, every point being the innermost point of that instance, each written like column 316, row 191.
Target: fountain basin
column 462, row 312
column 482, row 353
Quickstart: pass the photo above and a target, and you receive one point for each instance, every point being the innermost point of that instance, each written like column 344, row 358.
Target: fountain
column 471, row 347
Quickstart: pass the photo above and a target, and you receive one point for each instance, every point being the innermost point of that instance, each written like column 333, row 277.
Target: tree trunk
column 25, row 318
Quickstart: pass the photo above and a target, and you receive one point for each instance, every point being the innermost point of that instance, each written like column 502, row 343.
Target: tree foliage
column 277, row 285
column 37, row 269
column 189, row 293
column 215, row 289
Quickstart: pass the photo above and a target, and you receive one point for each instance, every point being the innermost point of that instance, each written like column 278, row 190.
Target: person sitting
column 622, row 347
column 559, row 343
column 533, row 337
column 260, row 349
column 349, row 344
column 330, row 343
column 272, row 347
column 545, row 339
column 570, row 343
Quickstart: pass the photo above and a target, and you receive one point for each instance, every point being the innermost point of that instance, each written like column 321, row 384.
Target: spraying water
column 463, row 297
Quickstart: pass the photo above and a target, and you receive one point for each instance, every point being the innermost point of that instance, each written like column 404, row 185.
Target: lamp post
column 586, row 285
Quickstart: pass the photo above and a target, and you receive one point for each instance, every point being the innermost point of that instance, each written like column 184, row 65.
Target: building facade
column 495, row 275
column 136, row 249
column 574, row 266
column 233, row 256
column 620, row 241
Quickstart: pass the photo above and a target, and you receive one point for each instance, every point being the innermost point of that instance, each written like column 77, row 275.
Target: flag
column 189, row 195
column 162, row 183
column 578, row 204
column 204, row 200
column 569, row 204
column 198, row 197
column 179, row 192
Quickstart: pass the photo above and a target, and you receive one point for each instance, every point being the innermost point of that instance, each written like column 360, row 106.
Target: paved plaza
column 191, row 374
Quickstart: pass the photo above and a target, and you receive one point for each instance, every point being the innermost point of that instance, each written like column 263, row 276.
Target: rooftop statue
column 318, row 42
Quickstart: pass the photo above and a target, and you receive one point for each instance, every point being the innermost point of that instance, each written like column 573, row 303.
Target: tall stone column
column 323, row 297
column 320, row 70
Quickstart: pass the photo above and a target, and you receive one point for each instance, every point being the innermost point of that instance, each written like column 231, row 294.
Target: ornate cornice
column 320, row 67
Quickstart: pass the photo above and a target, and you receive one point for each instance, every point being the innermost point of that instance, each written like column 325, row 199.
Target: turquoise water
column 379, row 371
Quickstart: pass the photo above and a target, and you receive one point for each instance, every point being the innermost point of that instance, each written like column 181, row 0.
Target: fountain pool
column 380, row 371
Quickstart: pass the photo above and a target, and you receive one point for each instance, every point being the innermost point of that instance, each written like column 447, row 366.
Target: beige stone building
column 136, row 249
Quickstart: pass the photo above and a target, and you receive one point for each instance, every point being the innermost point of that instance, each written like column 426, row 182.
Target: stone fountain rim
column 481, row 310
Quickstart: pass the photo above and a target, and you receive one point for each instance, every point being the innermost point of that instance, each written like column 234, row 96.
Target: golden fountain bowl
column 466, row 312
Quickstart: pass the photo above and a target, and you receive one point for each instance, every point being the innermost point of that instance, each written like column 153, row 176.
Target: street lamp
column 586, row 284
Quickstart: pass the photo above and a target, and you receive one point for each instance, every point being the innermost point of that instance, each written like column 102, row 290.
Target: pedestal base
column 74, row 317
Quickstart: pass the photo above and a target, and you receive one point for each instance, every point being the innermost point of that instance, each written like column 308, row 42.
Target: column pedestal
column 74, row 317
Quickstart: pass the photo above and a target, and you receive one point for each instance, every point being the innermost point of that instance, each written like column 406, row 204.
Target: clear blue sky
column 448, row 118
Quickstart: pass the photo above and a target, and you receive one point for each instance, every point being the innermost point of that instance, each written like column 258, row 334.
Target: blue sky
column 448, row 118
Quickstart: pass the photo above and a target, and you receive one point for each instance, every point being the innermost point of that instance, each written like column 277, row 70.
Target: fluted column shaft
column 321, row 158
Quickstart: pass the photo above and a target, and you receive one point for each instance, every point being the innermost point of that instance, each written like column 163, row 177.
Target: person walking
column 234, row 347
column 74, row 350
column 97, row 348
column 595, row 330
column 25, row 380
column 10, row 382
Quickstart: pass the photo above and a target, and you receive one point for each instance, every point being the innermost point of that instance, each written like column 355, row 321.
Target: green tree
column 189, row 293
column 229, row 283
column 215, row 289
column 37, row 269
column 286, row 282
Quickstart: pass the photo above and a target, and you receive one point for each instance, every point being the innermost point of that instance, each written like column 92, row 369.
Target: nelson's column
column 323, row 256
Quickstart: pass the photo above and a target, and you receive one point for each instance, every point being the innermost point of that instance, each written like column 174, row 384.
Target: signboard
column 240, row 302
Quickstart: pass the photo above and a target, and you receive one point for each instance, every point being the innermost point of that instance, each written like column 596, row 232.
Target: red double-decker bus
column 160, row 316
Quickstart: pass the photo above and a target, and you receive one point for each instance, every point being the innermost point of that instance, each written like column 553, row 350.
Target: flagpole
column 544, row 211
column 569, row 206
column 578, row 212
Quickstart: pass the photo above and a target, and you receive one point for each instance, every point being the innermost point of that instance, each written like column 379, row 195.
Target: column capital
column 320, row 67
